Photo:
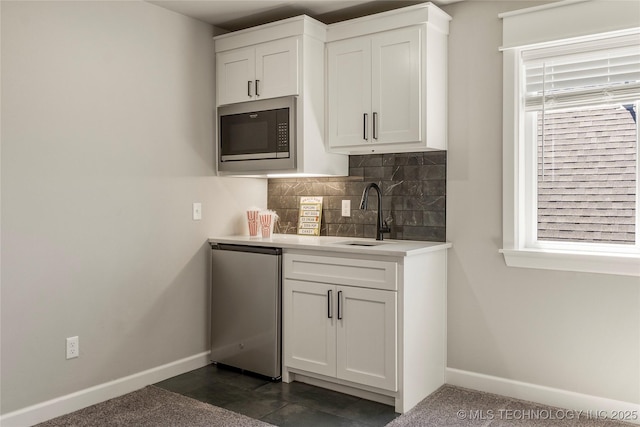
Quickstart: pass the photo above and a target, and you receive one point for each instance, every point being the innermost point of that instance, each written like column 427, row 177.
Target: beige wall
column 572, row 331
column 107, row 137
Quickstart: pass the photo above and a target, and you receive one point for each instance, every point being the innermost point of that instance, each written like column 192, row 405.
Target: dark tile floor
column 294, row 404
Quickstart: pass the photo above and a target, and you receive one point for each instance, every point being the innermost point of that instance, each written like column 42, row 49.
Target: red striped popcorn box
column 252, row 218
column 265, row 223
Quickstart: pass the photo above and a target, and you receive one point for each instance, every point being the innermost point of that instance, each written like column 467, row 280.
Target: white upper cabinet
column 277, row 68
column 386, row 82
column 281, row 59
column 266, row 70
column 349, row 91
column 373, row 89
column 395, row 86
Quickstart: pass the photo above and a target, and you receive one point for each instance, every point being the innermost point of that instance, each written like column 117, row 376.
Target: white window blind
column 581, row 74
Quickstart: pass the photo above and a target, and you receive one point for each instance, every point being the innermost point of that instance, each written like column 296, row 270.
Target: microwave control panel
column 283, row 130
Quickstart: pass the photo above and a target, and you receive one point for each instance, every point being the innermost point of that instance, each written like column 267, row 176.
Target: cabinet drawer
column 342, row 271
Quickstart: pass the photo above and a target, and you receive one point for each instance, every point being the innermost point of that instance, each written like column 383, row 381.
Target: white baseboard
column 90, row 396
column 592, row 405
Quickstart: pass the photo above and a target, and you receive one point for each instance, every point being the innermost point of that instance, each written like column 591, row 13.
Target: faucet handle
column 384, row 228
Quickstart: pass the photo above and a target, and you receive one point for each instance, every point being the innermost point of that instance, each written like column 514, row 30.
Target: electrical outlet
column 73, row 347
column 197, row 211
column 346, row 208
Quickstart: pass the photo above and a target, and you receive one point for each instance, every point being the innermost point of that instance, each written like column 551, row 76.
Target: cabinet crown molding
column 296, row 26
column 424, row 13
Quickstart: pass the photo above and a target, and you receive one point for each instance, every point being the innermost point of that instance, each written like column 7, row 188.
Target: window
column 587, row 175
column 571, row 145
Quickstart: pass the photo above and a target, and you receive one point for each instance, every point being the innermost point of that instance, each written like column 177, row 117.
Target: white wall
column 571, row 331
column 107, row 130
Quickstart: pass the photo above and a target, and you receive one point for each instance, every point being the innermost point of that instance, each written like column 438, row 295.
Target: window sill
column 605, row 263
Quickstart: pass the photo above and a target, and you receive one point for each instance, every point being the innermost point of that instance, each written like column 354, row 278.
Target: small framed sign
column 310, row 215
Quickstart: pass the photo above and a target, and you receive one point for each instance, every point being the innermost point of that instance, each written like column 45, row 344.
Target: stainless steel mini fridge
column 246, row 295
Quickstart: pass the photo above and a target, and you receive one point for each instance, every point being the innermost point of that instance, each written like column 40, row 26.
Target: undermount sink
column 362, row 243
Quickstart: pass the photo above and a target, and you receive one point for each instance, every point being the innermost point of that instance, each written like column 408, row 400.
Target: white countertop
column 337, row 244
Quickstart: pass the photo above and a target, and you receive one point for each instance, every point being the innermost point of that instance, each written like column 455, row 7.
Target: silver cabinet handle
column 249, row 88
column 339, row 305
column 257, row 81
column 330, row 304
column 375, row 125
column 365, row 126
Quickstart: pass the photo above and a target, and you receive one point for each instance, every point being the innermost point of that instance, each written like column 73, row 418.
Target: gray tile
column 369, row 231
column 335, row 217
column 424, row 233
column 346, row 230
column 393, row 173
column 217, row 394
column 411, row 173
column 189, row 381
column 373, row 173
column 415, row 159
column 298, row 415
column 434, row 218
column 389, row 159
column 435, row 157
column 231, row 376
column 410, row 218
column 255, row 407
column 434, row 203
column 428, row 172
column 411, row 188
column 359, row 171
column 392, row 188
column 409, row 182
column 434, row 187
column 368, row 412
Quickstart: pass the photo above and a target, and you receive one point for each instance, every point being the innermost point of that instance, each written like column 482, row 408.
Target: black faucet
column 381, row 225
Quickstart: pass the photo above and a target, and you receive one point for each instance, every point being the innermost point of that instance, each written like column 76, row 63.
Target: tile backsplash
column 413, row 201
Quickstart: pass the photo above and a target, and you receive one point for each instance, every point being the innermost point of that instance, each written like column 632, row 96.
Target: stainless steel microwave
column 257, row 136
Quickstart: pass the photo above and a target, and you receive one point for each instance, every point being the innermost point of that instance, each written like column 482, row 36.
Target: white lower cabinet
column 341, row 331
column 372, row 326
column 309, row 328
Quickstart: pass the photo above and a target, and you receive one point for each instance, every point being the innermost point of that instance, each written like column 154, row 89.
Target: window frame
column 519, row 213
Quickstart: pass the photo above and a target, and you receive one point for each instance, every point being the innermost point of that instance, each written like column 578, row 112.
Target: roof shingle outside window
column 587, row 175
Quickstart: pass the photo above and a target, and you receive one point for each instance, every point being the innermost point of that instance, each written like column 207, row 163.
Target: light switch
column 197, row 211
column 346, row 208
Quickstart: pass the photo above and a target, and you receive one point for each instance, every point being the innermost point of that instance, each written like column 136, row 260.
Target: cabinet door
column 366, row 337
column 395, row 99
column 235, row 71
column 277, row 68
column 349, row 92
column 309, row 326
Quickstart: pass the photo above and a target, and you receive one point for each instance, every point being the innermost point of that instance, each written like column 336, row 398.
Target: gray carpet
column 448, row 406
column 452, row 406
column 153, row 407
